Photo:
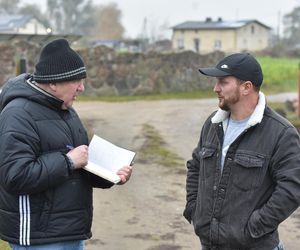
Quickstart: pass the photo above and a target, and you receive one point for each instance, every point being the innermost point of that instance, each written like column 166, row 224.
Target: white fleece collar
column 255, row 118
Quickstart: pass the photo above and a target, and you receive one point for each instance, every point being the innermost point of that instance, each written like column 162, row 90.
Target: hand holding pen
column 78, row 155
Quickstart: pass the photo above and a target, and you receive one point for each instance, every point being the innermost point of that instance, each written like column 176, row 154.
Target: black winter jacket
column 41, row 200
column 258, row 189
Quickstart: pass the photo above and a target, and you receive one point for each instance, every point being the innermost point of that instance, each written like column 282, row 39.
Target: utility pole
column 144, row 35
column 298, row 111
column 278, row 26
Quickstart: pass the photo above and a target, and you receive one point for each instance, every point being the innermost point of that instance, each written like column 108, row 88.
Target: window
column 245, row 44
column 252, row 29
column 217, row 45
column 180, row 43
column 197, row 44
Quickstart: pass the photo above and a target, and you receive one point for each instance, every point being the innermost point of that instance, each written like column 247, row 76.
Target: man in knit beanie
column 45, row 196
column 59, row 63
column 60, row 71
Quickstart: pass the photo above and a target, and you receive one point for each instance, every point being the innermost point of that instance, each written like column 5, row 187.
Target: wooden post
column 20, row 65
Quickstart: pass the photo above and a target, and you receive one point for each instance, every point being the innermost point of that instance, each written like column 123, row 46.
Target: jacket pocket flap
column 249, row 161
column 206, row 152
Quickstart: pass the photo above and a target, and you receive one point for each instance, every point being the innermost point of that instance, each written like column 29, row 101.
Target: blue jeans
column 67, row 245
column 279, row 247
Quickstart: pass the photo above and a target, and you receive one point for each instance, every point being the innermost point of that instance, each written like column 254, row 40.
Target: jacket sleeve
column 23, row 169
column 192, row 184
column 285, row 171
column 98, row 182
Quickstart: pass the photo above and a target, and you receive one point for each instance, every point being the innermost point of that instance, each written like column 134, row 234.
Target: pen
column 70, row 147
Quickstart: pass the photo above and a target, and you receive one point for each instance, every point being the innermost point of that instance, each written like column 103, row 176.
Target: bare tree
column 71, row 16
column 9, row 7
column 34, row 10
column 291, row 23
column 54, row 14
column 108, row 22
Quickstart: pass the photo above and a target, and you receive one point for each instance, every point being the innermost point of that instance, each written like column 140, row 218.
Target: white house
column 228, row 36
column 22, row 24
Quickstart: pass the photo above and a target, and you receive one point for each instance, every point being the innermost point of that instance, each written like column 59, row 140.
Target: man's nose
column 216, row 87
column 81, row 87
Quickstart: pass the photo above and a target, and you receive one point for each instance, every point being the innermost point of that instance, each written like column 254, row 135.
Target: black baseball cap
column 240, row 65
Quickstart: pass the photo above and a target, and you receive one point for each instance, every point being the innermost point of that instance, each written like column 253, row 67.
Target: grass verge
column 4, row 245
column 288, row 112
column 154, row 149
column 199, row 94
column 280, row 74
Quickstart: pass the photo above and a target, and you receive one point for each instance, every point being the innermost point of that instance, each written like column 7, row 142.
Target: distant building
column 123, row 45
column 22, row 24
column 228, row 36
column 161, row 46
column 28, row 28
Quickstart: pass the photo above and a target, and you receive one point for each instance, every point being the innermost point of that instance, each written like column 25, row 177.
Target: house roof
column 10, row 22
column 37, row 37
column 219, row 24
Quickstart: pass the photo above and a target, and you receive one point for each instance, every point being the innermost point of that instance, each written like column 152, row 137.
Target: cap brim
column 213, row 72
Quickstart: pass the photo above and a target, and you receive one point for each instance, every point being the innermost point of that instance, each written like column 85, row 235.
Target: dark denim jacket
column 259, row 187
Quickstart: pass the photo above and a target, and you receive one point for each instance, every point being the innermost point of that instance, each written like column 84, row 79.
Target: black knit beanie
column 59, row 63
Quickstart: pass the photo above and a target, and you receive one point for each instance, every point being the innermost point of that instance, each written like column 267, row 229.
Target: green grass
column 291, row 115
column 154, row 149
column 4, row 245
column 280, row 74
column 164, row 96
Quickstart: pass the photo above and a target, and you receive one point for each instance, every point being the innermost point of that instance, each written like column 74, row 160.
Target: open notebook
column 105, row 159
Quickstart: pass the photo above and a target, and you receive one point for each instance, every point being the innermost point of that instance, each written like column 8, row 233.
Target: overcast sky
column 159, row 13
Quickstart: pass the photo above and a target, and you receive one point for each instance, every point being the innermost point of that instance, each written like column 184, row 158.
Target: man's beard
column 225, row 104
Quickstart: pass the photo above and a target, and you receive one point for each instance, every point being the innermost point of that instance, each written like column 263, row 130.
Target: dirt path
column 146, row 213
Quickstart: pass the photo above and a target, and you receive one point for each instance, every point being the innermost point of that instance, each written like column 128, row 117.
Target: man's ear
column 247, row 87
column 53, row 86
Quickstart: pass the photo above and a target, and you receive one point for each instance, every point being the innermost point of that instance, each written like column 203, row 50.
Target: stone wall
column 112, row 73
column 11, row 52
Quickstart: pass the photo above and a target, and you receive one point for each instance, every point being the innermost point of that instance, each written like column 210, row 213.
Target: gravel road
column 146, row 213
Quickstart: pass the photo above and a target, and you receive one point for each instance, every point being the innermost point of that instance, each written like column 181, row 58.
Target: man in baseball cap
column 244, row 178
column 241, row 65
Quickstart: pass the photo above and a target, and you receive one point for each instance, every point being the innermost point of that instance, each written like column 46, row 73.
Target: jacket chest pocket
column 207, row 162
column 248, row 170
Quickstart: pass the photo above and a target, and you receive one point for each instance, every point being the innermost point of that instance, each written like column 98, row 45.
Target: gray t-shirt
column 233, row 130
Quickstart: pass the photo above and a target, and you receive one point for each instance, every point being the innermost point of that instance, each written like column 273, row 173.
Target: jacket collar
column 52, row 100
column 255, row 118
